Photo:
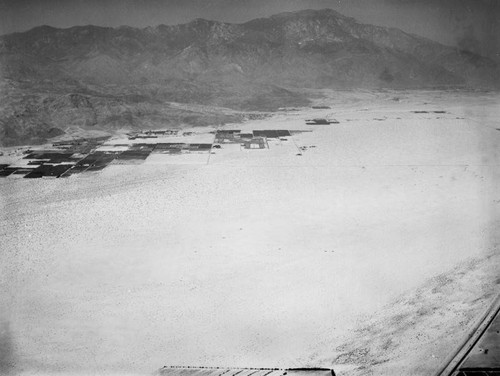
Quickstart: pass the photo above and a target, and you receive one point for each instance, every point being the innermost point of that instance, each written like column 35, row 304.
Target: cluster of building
column 256, row 139
column 153, row 134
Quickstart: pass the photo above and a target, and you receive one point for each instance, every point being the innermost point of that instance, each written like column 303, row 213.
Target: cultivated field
column 370, row 246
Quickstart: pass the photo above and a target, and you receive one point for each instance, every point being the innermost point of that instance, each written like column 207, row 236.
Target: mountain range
column 125, row 77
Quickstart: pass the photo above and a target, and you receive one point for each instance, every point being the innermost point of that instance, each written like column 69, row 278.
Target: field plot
column 69, row 158
column 367, row 246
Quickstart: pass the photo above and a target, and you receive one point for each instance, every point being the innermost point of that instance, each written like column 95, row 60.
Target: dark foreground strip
column 222, row 371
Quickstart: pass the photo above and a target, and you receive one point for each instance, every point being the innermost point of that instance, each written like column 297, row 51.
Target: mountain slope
column 258, row 65
column 313, row 48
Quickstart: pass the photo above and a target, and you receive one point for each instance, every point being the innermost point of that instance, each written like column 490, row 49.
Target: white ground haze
column 261, row 257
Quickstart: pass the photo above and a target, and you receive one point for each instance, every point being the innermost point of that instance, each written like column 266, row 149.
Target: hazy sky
column 470, row 24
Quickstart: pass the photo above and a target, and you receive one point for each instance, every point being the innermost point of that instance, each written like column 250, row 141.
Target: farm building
column 255, row 143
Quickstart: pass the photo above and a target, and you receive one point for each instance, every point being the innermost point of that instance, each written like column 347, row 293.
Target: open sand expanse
column 373, row 252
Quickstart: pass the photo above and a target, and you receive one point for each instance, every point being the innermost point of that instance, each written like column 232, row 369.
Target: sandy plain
column 373, row 252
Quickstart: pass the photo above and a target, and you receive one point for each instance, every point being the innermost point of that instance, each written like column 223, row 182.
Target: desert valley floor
column 372, row 252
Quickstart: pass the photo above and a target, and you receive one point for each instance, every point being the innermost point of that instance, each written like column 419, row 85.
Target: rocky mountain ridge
column 259, row 65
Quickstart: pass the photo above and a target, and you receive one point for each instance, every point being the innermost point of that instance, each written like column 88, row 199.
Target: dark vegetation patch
column 65, row 162
column 48, row 171
column 177, row 147
column 7, row 171
column 228, row 131
column 22, row 171
column 50, row 155
column 320, row 121
column 134, row 155
column 200, row 146
column 166, row 147
column 271, row 133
